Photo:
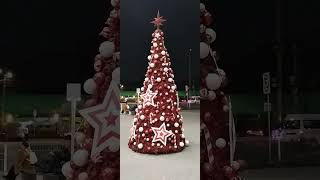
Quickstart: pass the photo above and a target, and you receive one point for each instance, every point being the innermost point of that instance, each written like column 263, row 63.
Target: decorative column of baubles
column 214, row 110
column 107, row 59
column 106, row 66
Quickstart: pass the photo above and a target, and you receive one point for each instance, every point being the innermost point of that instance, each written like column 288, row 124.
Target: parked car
column 301, row 126
column 250, row 125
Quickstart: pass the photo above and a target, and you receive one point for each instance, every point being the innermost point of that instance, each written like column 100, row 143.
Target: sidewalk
column 39, row 177
column 297, row 173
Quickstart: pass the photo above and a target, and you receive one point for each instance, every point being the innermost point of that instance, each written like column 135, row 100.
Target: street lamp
column 6, row 76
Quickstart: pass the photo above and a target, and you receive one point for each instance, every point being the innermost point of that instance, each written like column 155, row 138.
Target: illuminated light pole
column 6, row 76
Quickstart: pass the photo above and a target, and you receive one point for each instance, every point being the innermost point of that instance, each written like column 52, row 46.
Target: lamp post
column 189, row 78
column 6, row 76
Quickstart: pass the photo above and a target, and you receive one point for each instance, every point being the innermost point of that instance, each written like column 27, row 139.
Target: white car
column 302, row 126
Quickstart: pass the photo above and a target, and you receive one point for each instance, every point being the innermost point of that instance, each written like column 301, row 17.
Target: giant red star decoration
column 105, row 119
column 158, row 20
column 148, row 97
column 161, row 134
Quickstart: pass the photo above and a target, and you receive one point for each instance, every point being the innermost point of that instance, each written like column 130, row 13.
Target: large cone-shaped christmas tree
column 157, row 125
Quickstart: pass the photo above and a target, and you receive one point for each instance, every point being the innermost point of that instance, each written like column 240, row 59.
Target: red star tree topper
column 157, row 125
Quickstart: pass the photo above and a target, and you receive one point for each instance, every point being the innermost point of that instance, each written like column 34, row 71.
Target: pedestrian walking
column 25, row 162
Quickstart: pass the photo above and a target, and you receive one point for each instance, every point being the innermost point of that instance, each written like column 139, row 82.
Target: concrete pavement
column 178, row 166
column 297, row 173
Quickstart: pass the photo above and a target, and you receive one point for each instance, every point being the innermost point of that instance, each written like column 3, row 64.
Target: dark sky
column 245, row 36
column 181, row 33
column 48, row 43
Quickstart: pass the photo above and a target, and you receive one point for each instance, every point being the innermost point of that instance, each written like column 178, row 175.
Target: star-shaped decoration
column 148, row 97
column 105, row 119
column 111, row 119
column 158, row 20
column 161, row 134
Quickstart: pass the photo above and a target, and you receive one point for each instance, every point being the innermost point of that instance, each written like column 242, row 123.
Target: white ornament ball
column 135, row 119
column 152, row 65
column 202, row 7
column 149, row 58
column 140, row 107
column 225, row 108
column 140, row 145
column 155, row 45
column 187, row 142
column 66, row 170
column 142, row 89
column 235, row 165
column 90, row 86
column 212, row 95
column 213, row 81
column 165, row 69
column 156, row 56
column 150, row 86
column 114, row 3
column 211, row 34
column 80, row 157
column 148, row 103
column 142, row 117
column 158, row 79
column 170, row 79
column 140, row 129
column 221, row 143
column 83, row 176
column 182, row 135
column 176, row 124
column 173, row 87
column 181, row 144
column 116, row 75
column 80, row 137
column 106, row 49
column 161, row 118
column 204, row 50
column 163, row 53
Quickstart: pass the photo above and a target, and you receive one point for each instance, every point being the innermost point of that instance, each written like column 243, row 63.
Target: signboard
column 266, row 83
column 73, row 91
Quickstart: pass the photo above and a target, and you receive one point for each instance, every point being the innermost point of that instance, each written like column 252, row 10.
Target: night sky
column 49, row 43
column 245, row 36
column 181, row 31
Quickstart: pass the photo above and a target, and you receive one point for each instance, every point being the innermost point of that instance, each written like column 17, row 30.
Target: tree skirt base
column 155, row 150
